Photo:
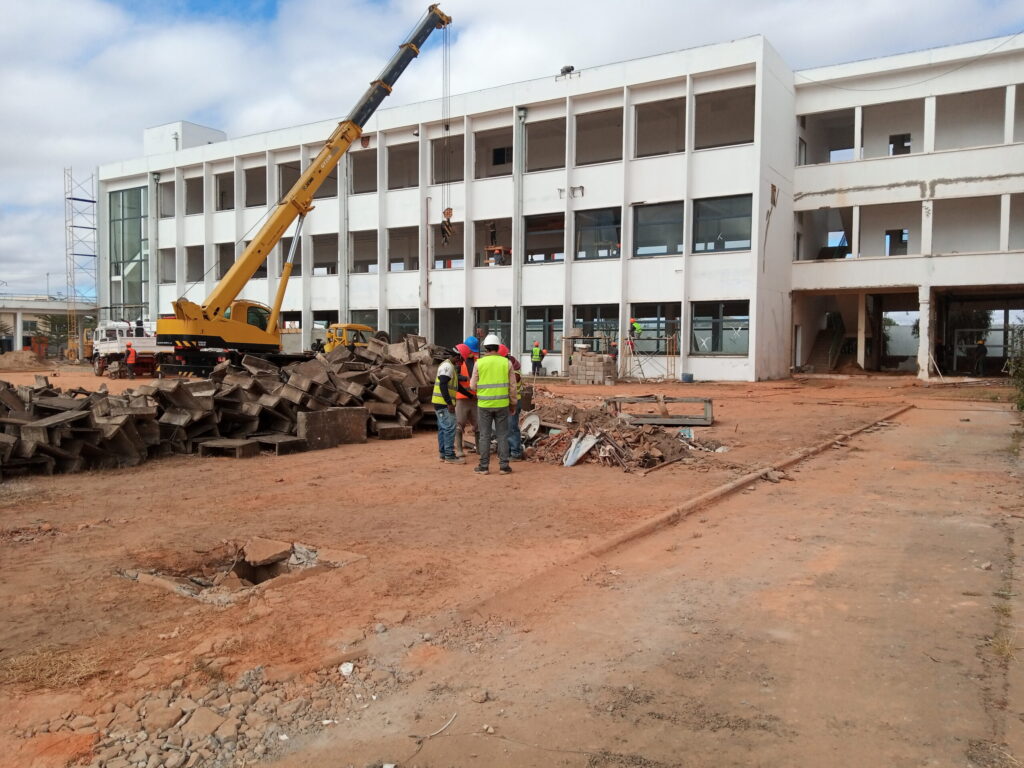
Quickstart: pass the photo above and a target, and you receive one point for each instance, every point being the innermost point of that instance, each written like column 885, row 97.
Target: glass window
column 658, row 229
column 599, row 322
column 128, row 250
column 545, row 238
column 543, row 324
column 598, row 233
column 258, row 316
column 722, row 224
column 403, row 322
column 659, row 334
column 720, row 327
column 496, row 320
column 599, row 136
column 367, row 317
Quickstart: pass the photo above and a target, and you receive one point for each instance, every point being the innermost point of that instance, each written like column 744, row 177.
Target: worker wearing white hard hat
column 493, row 380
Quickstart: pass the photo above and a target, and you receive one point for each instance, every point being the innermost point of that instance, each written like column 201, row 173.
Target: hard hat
column 632, row 319
column 536, row 343
column 492, row 341
column 503, row 350
column 473, row 343
column 128, row 343
column 544, row 351
column 463, row 350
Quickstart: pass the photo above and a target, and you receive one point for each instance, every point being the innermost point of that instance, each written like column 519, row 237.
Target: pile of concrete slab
column 327, row 400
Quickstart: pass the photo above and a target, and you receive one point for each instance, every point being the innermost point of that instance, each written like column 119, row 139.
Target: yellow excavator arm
column 221, row 322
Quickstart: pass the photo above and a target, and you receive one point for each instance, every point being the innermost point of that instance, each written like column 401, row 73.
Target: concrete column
column 239, row 187
column 862, row 327
column 19, row 330
column 209, row 247
column 305, row 282
column 626, row 230
column 469, row 228
column 858, row 131
column 928, row 143
column 430, row 213
column 382, row 235
column 1010, row 114
column 927, row 207
column 685, row 315
column 924, row 340
column 855, row 232
column 1004, row 222
column 274, row 257
column 179, row 231
column 515, row 343
column 344, row 257
column 567, row 244
column 152, row 284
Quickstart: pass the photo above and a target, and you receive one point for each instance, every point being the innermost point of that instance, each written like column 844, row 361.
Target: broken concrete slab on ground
column 327, row 400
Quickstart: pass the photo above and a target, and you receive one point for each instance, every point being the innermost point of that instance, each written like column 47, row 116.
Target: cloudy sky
column 81, row 79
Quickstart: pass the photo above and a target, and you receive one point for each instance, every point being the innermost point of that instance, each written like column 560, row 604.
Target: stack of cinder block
column 591, row 368
column 315, row 403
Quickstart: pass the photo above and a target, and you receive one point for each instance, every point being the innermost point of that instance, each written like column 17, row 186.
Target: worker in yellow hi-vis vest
column 493, row 380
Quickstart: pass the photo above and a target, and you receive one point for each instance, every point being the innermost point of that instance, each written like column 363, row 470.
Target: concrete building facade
column 730, row 205
column 21, row 314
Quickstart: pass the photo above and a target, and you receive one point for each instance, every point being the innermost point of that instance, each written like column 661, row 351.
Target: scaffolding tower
column 80, row 251
column 656, row 363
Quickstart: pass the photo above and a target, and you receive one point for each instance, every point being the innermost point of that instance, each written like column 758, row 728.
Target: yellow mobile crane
column 226, row 326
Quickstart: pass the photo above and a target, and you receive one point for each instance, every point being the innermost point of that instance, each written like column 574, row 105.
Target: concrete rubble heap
column 317, row 403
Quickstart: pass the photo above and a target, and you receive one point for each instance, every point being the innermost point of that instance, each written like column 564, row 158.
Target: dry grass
column 1004, row 645
column 1002, row 609
column 49, row 668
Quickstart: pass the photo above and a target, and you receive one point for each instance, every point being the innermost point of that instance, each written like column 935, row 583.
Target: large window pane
column 128, row 251
column 658, row 229
column 660, row 328
column 543, row 325
column 545, row 145
column 724, row 118
column 599, row 322
column 722, row 224
column 545, row 238
column 403, row 322
column 497, row 320
column 720, row 328
column 598, row 233
column 661, row 127
column 599, row 137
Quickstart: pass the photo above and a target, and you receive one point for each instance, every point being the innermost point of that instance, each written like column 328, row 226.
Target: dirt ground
column 849, row 617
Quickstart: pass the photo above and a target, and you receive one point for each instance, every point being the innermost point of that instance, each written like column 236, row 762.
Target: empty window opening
column 363, row 247
column 967, row 224
column 545, row 145
column 658, row 229
column 261, row 270
column 722, row 224
column 599, row 137
column 325, row 254
column 973, row 119
column 363, row 170
column 884, row 122
column 287, row 175
column 286, row 244
column 1017, row 222
column 329, row 185
column 660, row 324
column 224, row 191
column 493, row 243
column 828, row 137
column 448, row 326
column 598, row 321
column 165, row 199
column 168, row 261
column 719, row 327
column 194, row 196
column 403, row 249
column 225, row 258
column 404, row 166
column 724, row 118
column 493, row 156
column 661, row 127
column 899, row 144
column 598, row 233
column 448, row 255
column 255, row 187
column 545, row 238
column 825, row 233
column 896, row 241
column 402, row 323
column 194, row 264
column 1018, row 113
column 448, row 159
column 496, row 320
column 543, row 325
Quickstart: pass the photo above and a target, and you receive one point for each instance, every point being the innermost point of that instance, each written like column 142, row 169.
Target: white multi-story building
column 751, row 218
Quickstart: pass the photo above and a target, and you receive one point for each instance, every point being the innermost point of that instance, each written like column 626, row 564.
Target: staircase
column 824, row 355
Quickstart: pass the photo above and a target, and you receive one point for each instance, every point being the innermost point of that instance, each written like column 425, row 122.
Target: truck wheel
column 383, row 336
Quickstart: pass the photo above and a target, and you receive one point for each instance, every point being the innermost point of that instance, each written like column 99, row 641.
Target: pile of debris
column 317, row 403
column 591, row 368
column 569, row 434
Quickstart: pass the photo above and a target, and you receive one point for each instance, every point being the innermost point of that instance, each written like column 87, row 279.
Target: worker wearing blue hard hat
column 473, row 343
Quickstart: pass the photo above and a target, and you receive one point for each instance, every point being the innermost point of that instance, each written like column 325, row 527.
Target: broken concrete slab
column 260, row 551
column 333, row 426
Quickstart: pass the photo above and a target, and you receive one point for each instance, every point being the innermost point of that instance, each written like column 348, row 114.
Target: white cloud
column 82, row 78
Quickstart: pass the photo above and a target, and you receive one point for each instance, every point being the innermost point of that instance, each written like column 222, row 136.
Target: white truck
column 109, row 343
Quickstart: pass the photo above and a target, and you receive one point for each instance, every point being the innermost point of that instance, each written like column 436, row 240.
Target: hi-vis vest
column 492, row 382
column 453, row 383
column 464, row 374
column 535, row 355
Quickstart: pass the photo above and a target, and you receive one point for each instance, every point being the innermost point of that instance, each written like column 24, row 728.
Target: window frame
column 580, row 229
column 717, row 329
column 681, row 245
column 698, row 220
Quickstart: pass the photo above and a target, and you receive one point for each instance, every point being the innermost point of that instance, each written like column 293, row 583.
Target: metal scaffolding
column 80, row 250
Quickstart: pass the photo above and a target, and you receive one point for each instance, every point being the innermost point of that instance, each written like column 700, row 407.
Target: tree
column 1015, row 362
column 5, row 329
column 55, row 328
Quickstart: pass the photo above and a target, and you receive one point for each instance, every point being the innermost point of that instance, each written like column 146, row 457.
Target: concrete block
column 388, row 431
column 334, row 426
column 259, row 551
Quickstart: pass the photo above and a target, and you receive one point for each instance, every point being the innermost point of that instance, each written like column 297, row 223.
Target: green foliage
column 5, row 329
column 55, row 327
column 1015, row 360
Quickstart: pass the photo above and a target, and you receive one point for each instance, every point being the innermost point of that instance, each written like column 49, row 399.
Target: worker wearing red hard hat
column 465, row 397
column 130, row 358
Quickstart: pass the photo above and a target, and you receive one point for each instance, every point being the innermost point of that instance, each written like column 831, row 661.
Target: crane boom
column 211, row 325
